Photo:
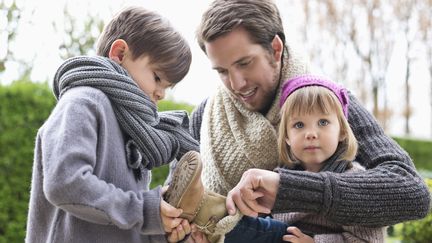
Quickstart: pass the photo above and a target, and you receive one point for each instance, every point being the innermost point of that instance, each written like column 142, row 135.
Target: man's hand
column 255, row 193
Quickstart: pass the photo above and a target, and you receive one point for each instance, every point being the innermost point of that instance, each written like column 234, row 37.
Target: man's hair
column 305, row 101
column 148, row 33
column 260, row 18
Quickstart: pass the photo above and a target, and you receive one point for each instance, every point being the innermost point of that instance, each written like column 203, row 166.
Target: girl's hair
column 148, row 33
column 260, row 18
column 309, row 99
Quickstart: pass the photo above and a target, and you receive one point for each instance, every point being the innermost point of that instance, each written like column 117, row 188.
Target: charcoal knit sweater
column 388, row 192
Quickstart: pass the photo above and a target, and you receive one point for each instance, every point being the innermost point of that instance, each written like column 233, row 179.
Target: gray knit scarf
column 153, row 138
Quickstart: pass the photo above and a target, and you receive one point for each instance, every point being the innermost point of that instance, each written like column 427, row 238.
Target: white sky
column 37, row 43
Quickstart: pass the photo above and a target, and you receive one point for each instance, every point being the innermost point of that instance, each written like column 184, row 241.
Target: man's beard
column 269, row 98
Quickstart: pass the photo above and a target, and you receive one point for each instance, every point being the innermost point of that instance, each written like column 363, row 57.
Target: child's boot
column 186, row 191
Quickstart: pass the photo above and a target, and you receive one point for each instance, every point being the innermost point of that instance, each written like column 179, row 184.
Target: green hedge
column 418, row 231
column 159, row 174
column 419, row 150
column 24, row 106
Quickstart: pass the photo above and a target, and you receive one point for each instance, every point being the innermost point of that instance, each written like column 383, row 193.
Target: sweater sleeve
column 69, row 149
column 194, row 129
column 196, row 120
column 354, row 234
column 388, row 192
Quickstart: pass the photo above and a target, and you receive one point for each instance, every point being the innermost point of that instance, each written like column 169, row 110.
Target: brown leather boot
column 186, row 191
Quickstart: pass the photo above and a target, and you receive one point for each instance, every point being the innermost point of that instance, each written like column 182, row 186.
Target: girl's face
column 313, row 137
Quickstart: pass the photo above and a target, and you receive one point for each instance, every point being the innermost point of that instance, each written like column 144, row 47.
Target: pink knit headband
column 311, row 80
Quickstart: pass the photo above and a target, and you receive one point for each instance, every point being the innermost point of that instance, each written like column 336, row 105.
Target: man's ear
column 117, row 51
column 278, row 47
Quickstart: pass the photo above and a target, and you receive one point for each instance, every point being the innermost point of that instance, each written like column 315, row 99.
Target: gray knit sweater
column 389, row 192
column 82, row 188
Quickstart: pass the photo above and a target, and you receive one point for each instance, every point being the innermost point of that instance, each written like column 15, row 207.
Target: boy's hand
column 197, row 236
column 296, row 236
column 180, row 232
column 170, row 216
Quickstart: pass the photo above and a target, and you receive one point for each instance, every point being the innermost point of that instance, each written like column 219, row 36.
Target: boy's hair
column 309, row 99
column 260, row 18
column 148, row 33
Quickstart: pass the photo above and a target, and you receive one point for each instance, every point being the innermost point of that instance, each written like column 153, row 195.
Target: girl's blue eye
column 323, row 122
column 298, row 125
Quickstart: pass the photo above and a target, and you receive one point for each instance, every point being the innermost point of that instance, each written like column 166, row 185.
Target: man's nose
column 237, row 80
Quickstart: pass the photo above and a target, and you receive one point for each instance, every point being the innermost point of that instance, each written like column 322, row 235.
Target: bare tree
column 405, row 13
column 425, row 27
column 373, row 44
column 11, row 12
column 80, row 35
column 354, row 37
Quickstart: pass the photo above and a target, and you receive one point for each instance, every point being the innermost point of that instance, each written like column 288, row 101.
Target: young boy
column 94, row 153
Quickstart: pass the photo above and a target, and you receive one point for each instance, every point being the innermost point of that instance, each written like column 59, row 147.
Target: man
column 245, row 43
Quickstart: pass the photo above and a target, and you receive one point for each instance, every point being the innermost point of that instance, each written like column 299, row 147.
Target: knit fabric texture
column 388, row 192
column 243, row 139
column 326, row 231
column 156, row 137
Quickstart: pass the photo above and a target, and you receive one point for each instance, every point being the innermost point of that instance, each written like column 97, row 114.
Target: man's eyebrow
column 242, row 59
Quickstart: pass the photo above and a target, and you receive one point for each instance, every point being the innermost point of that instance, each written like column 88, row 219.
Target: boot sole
column 191, row 162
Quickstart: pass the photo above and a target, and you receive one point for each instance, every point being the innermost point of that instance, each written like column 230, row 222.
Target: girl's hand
column 296, row 236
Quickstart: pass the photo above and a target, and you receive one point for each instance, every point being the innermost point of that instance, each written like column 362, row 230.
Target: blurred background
column 380, row 50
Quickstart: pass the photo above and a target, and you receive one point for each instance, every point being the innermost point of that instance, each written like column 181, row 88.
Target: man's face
column 249, row 71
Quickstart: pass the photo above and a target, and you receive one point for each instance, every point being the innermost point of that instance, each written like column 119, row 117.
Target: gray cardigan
column 82, row 189
column 388, row 192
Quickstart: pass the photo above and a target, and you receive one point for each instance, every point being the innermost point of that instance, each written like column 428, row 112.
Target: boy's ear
column 117, row 51
column 277, row 46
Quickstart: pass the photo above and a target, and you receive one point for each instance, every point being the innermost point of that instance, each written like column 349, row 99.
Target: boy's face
column 146, row 76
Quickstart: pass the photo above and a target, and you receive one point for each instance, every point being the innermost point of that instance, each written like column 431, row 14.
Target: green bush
column 24, row 108
column 418, row 231
column 159, row 174
column 419, row 150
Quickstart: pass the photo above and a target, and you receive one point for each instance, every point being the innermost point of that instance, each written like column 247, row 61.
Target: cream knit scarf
column 234, row 139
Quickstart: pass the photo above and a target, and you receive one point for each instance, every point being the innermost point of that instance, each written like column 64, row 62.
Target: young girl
column 314, row 135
